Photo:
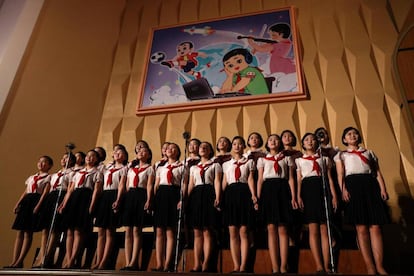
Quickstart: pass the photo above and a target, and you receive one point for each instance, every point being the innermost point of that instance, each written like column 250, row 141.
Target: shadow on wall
column 399, row 239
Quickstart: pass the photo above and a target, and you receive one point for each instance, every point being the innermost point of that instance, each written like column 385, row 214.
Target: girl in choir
column 102, row 156
column 137, row 202
column 364, row 193
column 223, row 147
column 164, row 157
column 239, row 202
column 289, row 141
column 48, row 215
column 78, row 205
column 193, row 157
column 204, row 198
column 255, row 143
column 27, row 209
column 140, row 144
column 277, row 194
column 311, row 199
column 80, row 161
column 170, row 183
column 107, row 214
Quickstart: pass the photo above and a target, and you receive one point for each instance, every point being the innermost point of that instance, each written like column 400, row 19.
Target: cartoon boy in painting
column 240, row 75
column 186, row 59
column 279, row 48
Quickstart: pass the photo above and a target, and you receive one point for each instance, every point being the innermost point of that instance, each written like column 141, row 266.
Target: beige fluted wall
column 83, row 70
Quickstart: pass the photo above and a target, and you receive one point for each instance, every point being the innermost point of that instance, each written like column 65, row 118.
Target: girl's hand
column 147, row 205
column 294, row 204
column 179, row 205
column 384, row 195
column 300, row 203
column 345, row 195
column 334, row 204
column 255, row 203
column 61, row 208
column 115, row 206
column 36, row 209
column 16, row 209
column 216, row 203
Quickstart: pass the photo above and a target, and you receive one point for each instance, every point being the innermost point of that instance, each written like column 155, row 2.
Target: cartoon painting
column 245, row 59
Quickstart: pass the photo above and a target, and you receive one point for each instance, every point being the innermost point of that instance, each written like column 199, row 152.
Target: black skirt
column 313, row 201
column 106, row 217
column 133, row 212
column 165, row 206
column 48, row 211
column 201, row 212
column 238, row 206
column 275, row 202
column 365, row 206
column 25, row 219
column 76, row 213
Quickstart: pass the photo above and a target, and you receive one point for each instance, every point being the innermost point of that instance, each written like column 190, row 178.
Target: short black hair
column 346, row 130
column 319, row 129
column 309, row 134
column 280, row 144
column 294, row 141
column 258, row 135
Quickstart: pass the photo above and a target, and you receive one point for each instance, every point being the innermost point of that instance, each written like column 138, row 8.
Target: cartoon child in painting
column 186, row 59
column 240, row 75
column 279, row 48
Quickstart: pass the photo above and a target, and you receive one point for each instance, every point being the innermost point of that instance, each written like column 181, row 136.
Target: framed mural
column 239, row 60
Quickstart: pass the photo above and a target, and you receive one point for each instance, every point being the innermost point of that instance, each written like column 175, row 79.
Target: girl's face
column 91, row 158
column 164, row 149
column 64, row 160
column 236, row 63
column 43, row 165
column 139, row 145
column 275, row 35
column 237, row 146
column 193, row 147
column 172, row 151
column 351, row 137
column 287, row 139
column 254, row 141
column 273, row 142
column 204, row 150
column 222, row 144
column 310, row 142
column 143, row 154
column 79, row 159
column 119, row 155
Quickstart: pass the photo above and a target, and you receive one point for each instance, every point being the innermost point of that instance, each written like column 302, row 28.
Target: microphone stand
column 180, row 211
column 327, row 210
column 52, row 224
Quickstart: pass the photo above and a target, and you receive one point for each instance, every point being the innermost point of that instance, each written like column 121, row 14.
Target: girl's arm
column 96, row 191
column 265, row 47
column 292, row 187
column 157, row 184
column 42, row 198
column 228, row 82
column 17, row 206
column 340, row 170
column 241, row 84
column 298, row 196
column 381, row 182
column 259, row 181
column 252, row 188
column 332, row 189
column 62, row 206
column 191, row 185
column 150, row 192
column 121, row 191
column 224, row 182
column 217, row 188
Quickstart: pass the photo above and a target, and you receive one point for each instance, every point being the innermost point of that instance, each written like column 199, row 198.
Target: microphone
column 320, row 136
column 70, row 146
column 186, row 135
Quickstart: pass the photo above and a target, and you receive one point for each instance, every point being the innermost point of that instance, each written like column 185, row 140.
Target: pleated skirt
column 275, row 202
column 48, row 209
column 76, row 213
column 313, row 201
column 165, row 206
column 133, row 212
column 201, row 212
column 238, row 206
column 366, row 206
column 105, row 216
column 25, row 219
